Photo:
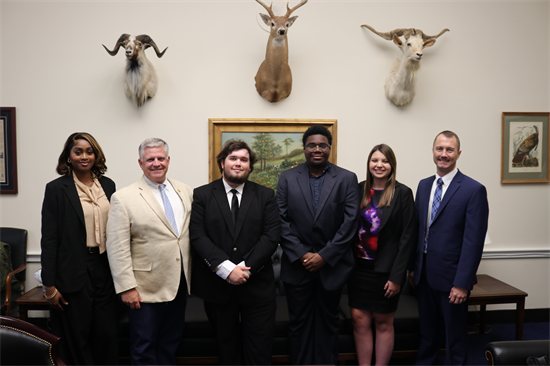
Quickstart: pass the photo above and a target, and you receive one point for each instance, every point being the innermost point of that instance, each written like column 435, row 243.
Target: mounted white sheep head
column 401, row 81
column 140, row 77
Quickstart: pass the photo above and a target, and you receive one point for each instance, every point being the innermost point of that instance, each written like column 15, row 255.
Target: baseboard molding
column 34, row 257
column 516, row 254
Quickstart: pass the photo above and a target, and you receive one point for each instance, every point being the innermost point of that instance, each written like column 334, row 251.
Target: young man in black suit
column 318, row 203
column 234, row 232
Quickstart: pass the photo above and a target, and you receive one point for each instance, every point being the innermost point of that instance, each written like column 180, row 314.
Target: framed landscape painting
column 277, row 144
column 525, row 151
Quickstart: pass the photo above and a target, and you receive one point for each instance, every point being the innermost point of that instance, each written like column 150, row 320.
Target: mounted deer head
column 274, row 78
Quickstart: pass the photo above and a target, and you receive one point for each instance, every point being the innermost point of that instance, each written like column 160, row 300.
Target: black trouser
column 88, row 326
column 240, row 329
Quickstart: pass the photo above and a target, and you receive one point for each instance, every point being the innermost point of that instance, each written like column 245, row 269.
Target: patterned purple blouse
column 370, row 225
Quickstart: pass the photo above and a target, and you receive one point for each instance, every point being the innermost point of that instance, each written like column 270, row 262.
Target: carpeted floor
column 476, row 342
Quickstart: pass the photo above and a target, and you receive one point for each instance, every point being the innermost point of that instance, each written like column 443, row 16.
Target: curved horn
column 425, row 37
column 289, row 11
column 148, row 42
column 118, row 44
column 269, row 10
column 389, row 35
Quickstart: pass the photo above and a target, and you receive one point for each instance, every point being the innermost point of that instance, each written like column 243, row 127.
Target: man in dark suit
column 318, row 203
column 234, row 231
column 452, row 212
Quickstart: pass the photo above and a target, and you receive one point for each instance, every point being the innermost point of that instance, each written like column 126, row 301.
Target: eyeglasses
column 311, row 146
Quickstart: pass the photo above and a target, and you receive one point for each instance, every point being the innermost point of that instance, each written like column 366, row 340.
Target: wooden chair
column 17, row 239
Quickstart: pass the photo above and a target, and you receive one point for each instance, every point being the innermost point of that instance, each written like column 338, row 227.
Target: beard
column 236, row 179
column 317, row 164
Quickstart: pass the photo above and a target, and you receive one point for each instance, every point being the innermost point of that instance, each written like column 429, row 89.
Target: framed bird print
column 525, row 152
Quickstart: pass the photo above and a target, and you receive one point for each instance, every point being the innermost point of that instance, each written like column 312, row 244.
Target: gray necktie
column 168, row 208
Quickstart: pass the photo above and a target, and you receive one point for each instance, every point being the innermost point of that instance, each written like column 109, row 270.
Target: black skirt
column 366, row 289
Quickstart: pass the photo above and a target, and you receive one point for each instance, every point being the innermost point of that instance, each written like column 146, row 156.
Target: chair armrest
column 515, row 352
column 22, row 267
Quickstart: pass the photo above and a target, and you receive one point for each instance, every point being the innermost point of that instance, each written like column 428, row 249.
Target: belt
column 93, row 250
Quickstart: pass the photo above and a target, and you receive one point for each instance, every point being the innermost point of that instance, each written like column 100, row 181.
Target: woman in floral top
column 383, row 249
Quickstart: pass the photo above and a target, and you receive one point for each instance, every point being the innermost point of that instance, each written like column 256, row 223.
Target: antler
column 148, row 42
column 425, row 37
column 389, row 35
column 118, row 44
column 269, row 10
column 289, row 11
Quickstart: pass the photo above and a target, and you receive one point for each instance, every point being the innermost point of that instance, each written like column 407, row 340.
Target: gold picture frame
column 525, row 147
column 250, row 130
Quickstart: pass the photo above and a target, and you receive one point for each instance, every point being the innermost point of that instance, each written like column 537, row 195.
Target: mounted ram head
column 401, row 81
column 140, row 77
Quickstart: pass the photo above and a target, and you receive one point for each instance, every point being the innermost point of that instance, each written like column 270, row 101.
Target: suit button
column 177, row 259
column 234, row 249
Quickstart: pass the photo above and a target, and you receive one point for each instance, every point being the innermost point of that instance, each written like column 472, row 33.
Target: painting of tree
column 268, row 147
column 277, row 144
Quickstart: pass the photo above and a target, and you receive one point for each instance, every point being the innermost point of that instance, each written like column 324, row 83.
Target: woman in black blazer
column 75, row 269
column 385, row 244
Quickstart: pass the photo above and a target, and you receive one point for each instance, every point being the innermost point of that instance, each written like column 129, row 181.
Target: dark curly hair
column 65, row 168
column 234, row 145
column 317, row 130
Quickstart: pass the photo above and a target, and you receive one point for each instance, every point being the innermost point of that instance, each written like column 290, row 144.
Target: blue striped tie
column 437, row 199
column 168, row 208
column 435, row 206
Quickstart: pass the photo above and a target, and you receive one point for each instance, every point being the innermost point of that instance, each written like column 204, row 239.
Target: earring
column 69, row 161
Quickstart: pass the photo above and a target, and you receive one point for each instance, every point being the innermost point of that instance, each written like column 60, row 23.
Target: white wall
column 495, row 58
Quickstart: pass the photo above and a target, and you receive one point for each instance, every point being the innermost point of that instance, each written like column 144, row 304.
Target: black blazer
column 215, row 239
column 63, row 240
column 397, row 235
column 330, row 232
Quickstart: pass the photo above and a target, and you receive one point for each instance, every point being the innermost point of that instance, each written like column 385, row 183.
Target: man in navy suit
column 452, row 212
column 318, row 203
column 234, row 232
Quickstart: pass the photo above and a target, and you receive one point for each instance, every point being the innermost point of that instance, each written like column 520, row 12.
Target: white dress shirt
column 226, row 267
column 173, row 197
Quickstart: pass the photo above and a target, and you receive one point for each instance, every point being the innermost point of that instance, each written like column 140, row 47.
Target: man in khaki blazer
column 148, row 249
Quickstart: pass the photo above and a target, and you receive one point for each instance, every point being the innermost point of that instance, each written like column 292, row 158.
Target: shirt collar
column 95, row 182
column 228, row 188
column 323, row 173
column 156, row 185
column 448, row 177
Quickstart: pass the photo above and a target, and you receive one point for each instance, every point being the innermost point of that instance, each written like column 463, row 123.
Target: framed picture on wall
column 277, row 144
column 525, row 151
column 8, row 156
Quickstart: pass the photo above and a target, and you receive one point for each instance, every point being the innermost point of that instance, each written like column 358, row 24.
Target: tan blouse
column 96, row 208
